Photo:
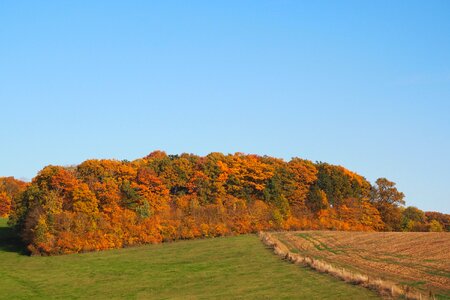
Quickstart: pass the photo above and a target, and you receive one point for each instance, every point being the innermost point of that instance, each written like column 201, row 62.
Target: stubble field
column 420, row 260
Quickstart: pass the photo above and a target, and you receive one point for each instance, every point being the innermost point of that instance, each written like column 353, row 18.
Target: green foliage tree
column 130, row 196
column 413, row 219
column 317, row 200
column 273, row 193
column 339, row 183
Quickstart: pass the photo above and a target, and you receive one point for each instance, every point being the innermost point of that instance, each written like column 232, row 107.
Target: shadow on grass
column 10, row 241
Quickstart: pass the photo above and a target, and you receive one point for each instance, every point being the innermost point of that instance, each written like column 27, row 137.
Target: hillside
column 103, row 204
column 221, row 268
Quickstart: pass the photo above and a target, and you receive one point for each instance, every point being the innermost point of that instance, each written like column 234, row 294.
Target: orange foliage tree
column 9, row 189
column 102, row 204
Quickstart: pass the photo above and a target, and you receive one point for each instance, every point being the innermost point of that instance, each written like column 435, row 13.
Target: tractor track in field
column 417, row 260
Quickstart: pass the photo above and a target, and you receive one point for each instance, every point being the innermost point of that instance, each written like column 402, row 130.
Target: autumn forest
column 103, row 204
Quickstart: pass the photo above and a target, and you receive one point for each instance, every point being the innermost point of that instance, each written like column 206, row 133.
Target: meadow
column 238, row 267
column 419, row 260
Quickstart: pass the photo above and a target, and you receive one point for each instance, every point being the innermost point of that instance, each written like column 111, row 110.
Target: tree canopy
column 103, row 204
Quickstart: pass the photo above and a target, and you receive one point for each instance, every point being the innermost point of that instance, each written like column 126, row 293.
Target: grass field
column 222, row 268
column 417, row 259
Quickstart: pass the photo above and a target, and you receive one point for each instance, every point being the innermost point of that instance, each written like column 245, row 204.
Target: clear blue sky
column 364, row 84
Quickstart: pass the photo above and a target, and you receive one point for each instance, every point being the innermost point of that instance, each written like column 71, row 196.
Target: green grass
column 222, row 268
column 318, row 244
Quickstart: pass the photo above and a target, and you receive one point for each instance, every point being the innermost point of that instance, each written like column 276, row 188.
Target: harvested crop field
column 420, row 260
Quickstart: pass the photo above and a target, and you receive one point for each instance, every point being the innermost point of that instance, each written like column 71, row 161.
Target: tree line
column 102, row 204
